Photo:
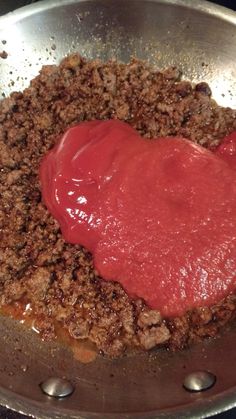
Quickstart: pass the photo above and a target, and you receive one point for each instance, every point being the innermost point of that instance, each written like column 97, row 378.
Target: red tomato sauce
column 158, row 215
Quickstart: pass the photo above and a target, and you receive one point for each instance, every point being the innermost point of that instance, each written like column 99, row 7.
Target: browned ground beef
column 3, row 55
column 36, row 263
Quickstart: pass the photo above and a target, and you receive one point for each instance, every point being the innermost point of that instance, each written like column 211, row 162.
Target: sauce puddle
column 83, row 350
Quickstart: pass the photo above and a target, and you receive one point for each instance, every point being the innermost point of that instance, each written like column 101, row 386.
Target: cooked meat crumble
column 3, row 55
column 37, row 265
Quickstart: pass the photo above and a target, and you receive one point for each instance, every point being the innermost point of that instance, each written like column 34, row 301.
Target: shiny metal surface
column 199, row 381
column 171, row 32
column 57, row 387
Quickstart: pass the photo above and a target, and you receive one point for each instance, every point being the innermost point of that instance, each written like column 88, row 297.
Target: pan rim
column 200, row 5
column 217, row 404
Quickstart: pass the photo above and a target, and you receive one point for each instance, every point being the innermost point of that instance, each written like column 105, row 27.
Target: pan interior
column 166, row 33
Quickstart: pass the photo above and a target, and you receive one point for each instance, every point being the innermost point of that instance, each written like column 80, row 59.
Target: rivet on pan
column 57, row 387
column 199, row 381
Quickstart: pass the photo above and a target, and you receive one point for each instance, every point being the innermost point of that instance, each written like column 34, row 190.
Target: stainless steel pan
column 172, row 32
